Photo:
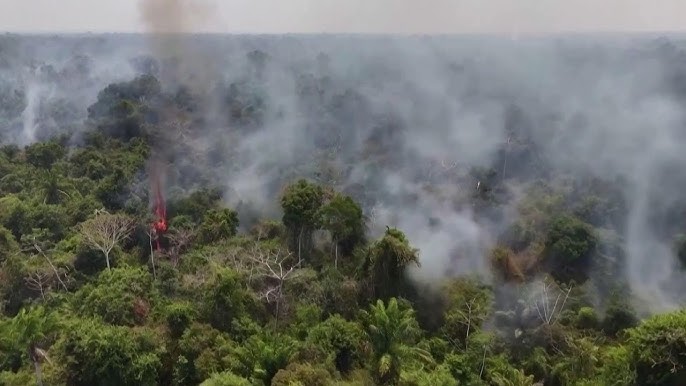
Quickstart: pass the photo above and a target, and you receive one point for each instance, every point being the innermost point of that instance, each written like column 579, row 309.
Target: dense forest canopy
column 342, row 210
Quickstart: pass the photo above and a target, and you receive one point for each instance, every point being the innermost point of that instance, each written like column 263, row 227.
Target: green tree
column 512, row 377
column 44, row 154
column 344, row 219
column 15, row 216
column 103, row 355
column 225, row 299
column 300, row 203
column 25, row 334
column 54, row 187
column 199, row 352
column 226, row 379
column 123, row 109
column 263, row 355
column 340, row 340
column 195, row 205
column 302, row 374
column 616, row 367
column 219, row 224
column 179, row 317
column 387, row 260
column 619, row 314
column 468, row 307
column 8, row 245
column 658, row 349
column 121, row 296
column 579, row 361
column 392, row 332
column 439, row 376
column 569, row 247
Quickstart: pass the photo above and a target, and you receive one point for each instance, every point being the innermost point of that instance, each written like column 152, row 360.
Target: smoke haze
column 350, row 16
column 409, row 126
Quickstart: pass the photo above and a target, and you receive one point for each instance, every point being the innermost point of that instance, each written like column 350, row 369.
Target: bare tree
column 52, row 266
column 105, row 231
column 468, row 319
column 239, row 259
column 273, row 265
column 39, row 281
column 45, row 279
column 179, row 240
column 152, row 234
column 548, row 306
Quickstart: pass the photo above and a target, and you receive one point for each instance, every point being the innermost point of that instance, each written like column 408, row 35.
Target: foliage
column 200, row 353
column 343, row 217
column 261, row 357
column 387, row 260
column 218, row 224
column 301, row 203
column 121, row 296
column 439, row 376
column 100, row 354
column 569, row 246
column 226, row 379
column 392, row 331
column 307, row 298
column 302, row 374
column 339, row 340
column 658, row 345
column 225, row 299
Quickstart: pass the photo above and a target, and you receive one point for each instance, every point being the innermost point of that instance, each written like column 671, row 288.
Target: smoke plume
column 168, row 23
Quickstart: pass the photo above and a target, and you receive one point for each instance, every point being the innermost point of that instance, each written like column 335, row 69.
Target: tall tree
column 300, row 203
column 387, row 260
column 218, row 224
column 392, row 331
column 344, row 219
column 105, row 231
column 27, row 331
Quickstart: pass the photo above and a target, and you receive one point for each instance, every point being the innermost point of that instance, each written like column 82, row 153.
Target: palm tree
column 54, row 187
column 512, row 377
column 387, row 260
column 391, row 331
column 27, row 331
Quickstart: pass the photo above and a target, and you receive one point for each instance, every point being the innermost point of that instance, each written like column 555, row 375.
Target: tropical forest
column 238, row 210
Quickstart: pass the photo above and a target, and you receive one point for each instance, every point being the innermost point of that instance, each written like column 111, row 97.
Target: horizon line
column 517, row 34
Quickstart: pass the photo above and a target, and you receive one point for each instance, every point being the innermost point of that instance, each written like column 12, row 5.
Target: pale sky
column 352, row 16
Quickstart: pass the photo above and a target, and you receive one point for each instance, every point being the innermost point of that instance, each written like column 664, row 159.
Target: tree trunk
column 36, row 364
column 300, row 236
column 107, row 259
column 335, row 262
column 54, row 269
column 152, row 259
column 39, row 375
column 278, row 303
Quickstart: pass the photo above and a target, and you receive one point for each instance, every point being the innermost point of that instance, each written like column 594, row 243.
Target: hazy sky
column 385, row 16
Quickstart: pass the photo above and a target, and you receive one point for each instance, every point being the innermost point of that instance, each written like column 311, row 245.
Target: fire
column 159, row 226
